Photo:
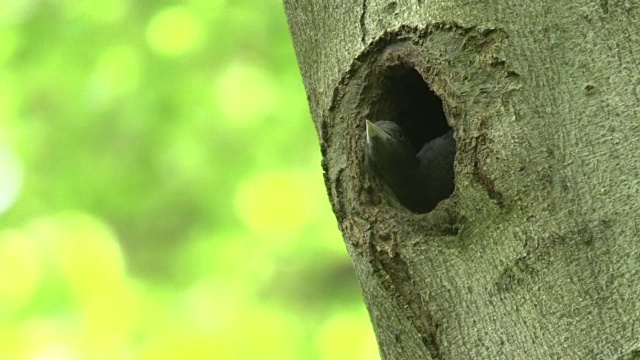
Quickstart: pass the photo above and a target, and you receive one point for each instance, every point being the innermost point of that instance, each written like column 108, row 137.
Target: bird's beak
column 374, row 132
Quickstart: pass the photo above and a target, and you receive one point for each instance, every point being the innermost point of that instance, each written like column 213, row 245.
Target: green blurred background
column 161, row 195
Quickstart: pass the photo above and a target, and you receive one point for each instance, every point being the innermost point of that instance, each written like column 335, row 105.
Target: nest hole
column 404, row 97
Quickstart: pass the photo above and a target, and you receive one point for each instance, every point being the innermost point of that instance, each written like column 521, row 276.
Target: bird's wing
column 436, row 159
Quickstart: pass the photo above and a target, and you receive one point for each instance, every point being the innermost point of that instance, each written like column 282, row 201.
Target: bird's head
column 386, row 141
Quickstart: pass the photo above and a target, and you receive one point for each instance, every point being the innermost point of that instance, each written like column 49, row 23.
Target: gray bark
column 536, row 255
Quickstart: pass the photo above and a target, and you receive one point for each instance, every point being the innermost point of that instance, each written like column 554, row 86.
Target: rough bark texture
column 536, row 255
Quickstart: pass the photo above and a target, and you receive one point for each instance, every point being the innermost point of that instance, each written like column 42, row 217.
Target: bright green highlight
column 84, row 251
column 11, row 177
column 21, row 270
column 117, row 74
column 344, row 337
column 276, row 202
column 246, row 92
column 174, row 31
column 77, row 259
column 15, row 11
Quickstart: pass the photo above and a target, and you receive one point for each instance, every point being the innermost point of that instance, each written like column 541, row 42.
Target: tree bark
column 536, row 255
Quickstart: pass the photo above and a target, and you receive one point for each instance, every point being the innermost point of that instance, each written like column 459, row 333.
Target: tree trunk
column 536, row 255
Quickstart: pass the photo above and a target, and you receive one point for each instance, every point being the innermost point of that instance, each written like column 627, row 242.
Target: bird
column 417, row 181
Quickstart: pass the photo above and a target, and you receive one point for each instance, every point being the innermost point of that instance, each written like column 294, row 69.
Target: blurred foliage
column 160, row 189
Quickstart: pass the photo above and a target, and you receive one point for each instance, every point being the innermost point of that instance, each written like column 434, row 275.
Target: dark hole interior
column 407, row 100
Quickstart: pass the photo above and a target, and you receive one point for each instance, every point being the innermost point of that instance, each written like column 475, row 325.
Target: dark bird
column 418, row 181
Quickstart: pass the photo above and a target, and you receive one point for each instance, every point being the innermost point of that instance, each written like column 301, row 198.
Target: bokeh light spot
column 276, row 201
column 347, row 336
column 11, row 178
column 20, row 270
column 174, row 31
column 116, row 74
column 16, row 11
column 85, row 253
column 245, row 92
